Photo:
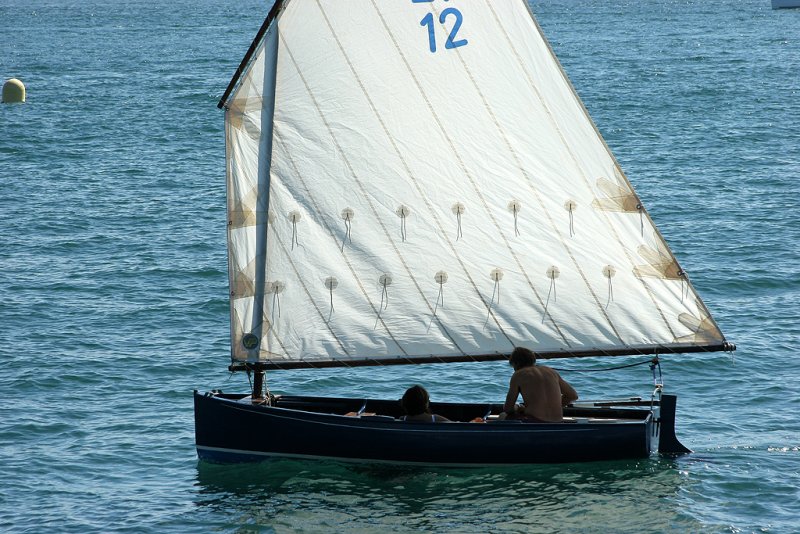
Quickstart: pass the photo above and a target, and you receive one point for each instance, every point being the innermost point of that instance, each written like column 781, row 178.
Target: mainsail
column 417, row 180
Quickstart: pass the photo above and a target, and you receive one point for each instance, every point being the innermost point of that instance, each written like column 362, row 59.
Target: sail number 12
column 429, row 21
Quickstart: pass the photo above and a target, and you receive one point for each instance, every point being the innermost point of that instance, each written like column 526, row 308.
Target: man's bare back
column 544, row 393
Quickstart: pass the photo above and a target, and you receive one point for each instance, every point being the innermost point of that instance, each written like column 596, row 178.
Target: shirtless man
column 544, row 392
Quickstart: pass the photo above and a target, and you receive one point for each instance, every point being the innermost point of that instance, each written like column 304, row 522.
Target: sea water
column 113, row 281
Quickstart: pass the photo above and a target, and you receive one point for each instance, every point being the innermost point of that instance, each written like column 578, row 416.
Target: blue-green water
column 113, row 281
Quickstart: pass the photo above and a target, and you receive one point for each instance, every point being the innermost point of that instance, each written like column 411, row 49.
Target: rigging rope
column 403, row 212
column 496, row 275
column 347, row 231
column 384, row 281
column 439, row 297
column 295, row 216
column 655, row 363
column 552, row 274
column 514, row 207
column 571, row 206
column 458, row 209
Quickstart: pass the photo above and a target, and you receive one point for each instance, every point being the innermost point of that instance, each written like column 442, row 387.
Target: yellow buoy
column 13, row 92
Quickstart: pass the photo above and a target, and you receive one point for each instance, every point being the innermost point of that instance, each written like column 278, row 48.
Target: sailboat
column 781, row 4
column 417, row 182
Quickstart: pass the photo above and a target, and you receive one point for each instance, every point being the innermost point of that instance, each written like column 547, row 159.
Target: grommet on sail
column 514, row 207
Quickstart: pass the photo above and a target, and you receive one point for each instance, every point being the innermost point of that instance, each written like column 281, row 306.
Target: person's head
column 521, row 357
column 415, row 400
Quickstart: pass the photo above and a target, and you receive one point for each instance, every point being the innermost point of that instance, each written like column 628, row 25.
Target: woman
column 416, row 404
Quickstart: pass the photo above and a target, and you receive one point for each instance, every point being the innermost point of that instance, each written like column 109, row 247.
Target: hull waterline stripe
column 266, row 455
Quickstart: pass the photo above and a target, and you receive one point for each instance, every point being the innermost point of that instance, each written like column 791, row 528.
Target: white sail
column 413, row 180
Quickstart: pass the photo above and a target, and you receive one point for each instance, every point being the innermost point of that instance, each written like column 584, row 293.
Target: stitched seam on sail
column 461, row 164
column 353, row 174
column 524, row 172
column 297, row 273
column 313, row 200
column 528, row 179
column 519, row 165
column 410, row 175
column 569, row 150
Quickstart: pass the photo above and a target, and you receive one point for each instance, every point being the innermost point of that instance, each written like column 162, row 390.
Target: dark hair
column 415, row 400
column 522, row 357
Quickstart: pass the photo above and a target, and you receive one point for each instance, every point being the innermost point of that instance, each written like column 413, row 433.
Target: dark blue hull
column 230, row 428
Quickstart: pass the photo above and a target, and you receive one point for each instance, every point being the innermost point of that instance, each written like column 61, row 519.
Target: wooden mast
column 258, row 385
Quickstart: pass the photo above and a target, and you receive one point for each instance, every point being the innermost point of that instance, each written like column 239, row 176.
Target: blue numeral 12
column 451, row 42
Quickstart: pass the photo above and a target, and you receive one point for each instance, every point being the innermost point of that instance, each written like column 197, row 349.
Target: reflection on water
column 295, row 495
